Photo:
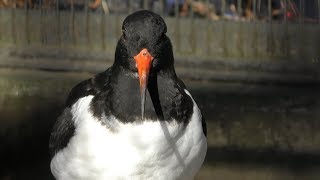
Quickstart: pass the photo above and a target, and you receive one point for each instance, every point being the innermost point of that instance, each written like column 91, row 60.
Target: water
column 254, row 131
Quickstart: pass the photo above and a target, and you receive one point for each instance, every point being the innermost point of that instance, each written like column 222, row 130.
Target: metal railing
column 220, row 28
column 306, row 11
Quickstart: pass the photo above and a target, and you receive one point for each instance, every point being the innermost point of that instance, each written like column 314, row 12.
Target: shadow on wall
column 24, row 139
column 298, row 162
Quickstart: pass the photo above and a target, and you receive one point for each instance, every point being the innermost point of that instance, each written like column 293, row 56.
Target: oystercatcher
column 136, row 120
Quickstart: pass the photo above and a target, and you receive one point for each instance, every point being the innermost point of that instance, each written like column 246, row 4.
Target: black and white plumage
column 136, row 120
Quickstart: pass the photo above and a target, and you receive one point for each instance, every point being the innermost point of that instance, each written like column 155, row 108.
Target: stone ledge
column 287, row 72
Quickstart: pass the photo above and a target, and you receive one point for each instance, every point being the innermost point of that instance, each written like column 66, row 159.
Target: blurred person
column 246, row 9
column 203, row 8
column 15, row 3
column 231, row 12
column 199, row 8
column 79, row 5
column 217, row 5
column 170, row 7
column 94, row 5
column 276, row 9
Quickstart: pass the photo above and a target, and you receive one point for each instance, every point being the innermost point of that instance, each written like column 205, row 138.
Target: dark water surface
column 255, row 131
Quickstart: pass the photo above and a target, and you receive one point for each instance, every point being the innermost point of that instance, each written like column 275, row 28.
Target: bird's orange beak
column 143, row 63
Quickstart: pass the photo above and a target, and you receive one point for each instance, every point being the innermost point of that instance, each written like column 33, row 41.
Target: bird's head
column 144, row 48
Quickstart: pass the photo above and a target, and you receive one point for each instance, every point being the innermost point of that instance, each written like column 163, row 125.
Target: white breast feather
column 149, row 150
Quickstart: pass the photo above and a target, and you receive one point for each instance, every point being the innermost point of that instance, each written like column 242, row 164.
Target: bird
column 135, row 120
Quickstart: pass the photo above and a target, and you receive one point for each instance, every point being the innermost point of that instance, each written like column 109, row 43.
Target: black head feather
column 144, row 29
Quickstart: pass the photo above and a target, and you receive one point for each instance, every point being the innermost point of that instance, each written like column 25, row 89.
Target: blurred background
column 253, row 67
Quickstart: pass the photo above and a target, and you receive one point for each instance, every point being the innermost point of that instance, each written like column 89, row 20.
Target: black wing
column 64, row 127
column 62, row 131
column 203, row 120
column 89, row 87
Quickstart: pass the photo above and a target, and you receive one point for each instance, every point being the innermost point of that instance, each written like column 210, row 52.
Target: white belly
column 149, row 150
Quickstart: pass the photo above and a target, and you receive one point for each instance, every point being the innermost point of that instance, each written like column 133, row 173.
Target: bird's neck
column 126, row 99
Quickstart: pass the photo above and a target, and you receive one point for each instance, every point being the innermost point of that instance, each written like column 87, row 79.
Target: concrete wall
column 198, row 38
column 271, row 52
